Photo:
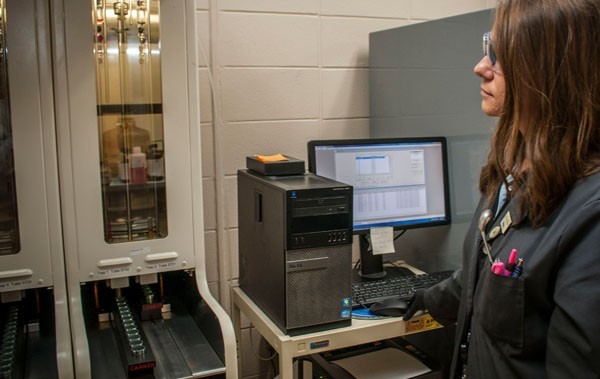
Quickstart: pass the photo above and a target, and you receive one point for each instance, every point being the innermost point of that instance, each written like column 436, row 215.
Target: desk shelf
column 291, row 347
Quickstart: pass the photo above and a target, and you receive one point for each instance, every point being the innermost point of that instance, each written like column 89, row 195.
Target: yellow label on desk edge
column 422, row 323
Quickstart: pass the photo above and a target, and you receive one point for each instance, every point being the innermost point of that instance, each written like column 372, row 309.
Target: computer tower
column 295, row 249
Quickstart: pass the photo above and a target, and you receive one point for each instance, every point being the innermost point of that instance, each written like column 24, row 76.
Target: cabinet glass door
column 130, row 121
column 9, row 225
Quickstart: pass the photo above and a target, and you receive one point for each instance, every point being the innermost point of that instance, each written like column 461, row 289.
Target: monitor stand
column 371, row 266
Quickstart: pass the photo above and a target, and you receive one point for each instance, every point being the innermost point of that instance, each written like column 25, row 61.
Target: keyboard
column 369, row 292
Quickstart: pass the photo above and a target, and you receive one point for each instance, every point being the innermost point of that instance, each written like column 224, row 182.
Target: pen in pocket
column 518, row 270
column 512, row 259
column 513, row 267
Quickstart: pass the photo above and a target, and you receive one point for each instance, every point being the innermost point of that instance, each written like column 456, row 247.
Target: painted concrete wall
column 276, row 74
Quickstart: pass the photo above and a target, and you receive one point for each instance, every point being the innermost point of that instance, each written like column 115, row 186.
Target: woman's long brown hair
column 548, row 134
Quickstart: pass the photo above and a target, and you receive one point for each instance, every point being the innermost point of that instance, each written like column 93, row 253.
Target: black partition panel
column 422, row 84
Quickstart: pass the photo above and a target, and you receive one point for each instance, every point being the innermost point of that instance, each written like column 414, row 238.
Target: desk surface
column 290, row 347
column 361, row 331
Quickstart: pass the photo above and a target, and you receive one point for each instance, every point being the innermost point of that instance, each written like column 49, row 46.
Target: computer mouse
column 389, row 307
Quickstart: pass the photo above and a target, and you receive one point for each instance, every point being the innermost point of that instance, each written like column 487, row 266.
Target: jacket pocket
column 499, row 307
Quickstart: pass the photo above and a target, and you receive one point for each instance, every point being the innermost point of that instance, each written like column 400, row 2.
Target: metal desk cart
column 291, row 347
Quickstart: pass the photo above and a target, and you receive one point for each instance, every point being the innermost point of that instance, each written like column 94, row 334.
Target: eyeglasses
column 488, row 48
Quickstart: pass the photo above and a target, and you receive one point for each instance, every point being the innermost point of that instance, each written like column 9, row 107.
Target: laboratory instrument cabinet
column 128, row 137
column 34, row 323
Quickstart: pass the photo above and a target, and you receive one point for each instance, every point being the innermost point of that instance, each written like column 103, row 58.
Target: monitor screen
column 398, row 182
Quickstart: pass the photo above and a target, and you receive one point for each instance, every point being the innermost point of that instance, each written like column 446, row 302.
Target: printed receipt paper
column 382, row 240
column 387, row 363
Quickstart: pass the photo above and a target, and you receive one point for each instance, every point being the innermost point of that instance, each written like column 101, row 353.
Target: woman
column 541, row 187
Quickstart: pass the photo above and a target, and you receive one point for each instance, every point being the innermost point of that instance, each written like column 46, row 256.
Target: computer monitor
column 398, row 182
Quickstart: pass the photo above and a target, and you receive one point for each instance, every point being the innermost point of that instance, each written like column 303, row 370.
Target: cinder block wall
column 274, row 75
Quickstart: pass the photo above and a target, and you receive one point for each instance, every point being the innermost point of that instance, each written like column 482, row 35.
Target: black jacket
column 545, row 323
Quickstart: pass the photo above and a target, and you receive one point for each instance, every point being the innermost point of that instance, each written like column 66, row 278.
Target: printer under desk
column 389, row 359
